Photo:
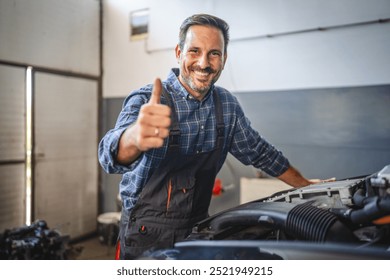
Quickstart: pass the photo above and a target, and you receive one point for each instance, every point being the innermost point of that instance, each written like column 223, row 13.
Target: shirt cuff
column 278, row 167
column 113, row 152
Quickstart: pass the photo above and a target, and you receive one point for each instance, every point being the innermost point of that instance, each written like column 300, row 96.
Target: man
column 171, row 139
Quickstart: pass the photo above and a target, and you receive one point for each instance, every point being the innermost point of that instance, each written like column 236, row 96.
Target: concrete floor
column 93, row 249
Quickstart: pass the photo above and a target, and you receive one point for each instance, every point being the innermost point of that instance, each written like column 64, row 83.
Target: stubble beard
column 200, row 90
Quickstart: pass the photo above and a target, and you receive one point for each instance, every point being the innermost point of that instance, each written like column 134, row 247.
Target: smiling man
column 171, row 139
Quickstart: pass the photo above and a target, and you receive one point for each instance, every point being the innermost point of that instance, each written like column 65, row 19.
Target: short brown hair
column 204, row 19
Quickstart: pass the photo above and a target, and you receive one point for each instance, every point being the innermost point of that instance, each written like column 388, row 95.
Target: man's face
column 201, row 60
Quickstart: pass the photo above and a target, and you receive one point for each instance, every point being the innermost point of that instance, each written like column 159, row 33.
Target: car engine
column 345, row 219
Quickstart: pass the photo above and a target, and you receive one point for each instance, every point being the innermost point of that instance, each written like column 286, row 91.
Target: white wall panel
column 55, row 34
column 262, row 17
column 347, row 56
column 340, row 57
column 169, row 19
column 127, row 63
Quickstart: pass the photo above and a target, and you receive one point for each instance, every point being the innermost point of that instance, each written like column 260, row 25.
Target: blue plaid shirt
column 198, row 134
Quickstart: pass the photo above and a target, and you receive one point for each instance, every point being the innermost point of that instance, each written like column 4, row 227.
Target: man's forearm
column 127, row 150
column 294, row 178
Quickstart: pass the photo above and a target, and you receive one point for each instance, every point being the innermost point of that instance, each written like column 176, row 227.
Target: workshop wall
column 62, row 35
column 49, row 112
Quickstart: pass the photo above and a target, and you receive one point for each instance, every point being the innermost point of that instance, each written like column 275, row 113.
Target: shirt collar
column 178, row 88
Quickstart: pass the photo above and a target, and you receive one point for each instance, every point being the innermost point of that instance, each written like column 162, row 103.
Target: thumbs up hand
column 154, row 120
column 149, row 130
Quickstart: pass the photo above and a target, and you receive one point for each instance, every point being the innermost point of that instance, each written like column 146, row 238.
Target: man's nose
column 204, row 61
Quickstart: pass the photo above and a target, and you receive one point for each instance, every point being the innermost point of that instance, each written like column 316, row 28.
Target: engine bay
column 344, row 219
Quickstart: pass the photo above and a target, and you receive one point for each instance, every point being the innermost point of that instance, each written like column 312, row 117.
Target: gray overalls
column 176, row 196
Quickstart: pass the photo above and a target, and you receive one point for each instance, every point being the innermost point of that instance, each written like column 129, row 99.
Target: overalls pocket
column 180, row 194
column 143, row 237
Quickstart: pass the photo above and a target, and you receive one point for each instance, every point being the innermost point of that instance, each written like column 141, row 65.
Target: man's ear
column 225, row 56
column 177, row 51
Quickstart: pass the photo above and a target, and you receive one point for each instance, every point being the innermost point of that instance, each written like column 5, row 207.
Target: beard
column 202, row 90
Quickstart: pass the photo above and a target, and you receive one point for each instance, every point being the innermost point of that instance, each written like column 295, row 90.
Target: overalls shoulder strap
column 219, row 118
column 174, row 134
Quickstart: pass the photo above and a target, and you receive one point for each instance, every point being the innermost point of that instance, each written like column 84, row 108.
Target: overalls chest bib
column 177, row 195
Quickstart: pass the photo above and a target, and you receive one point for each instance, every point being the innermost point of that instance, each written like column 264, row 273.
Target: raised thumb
column 156, row 92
